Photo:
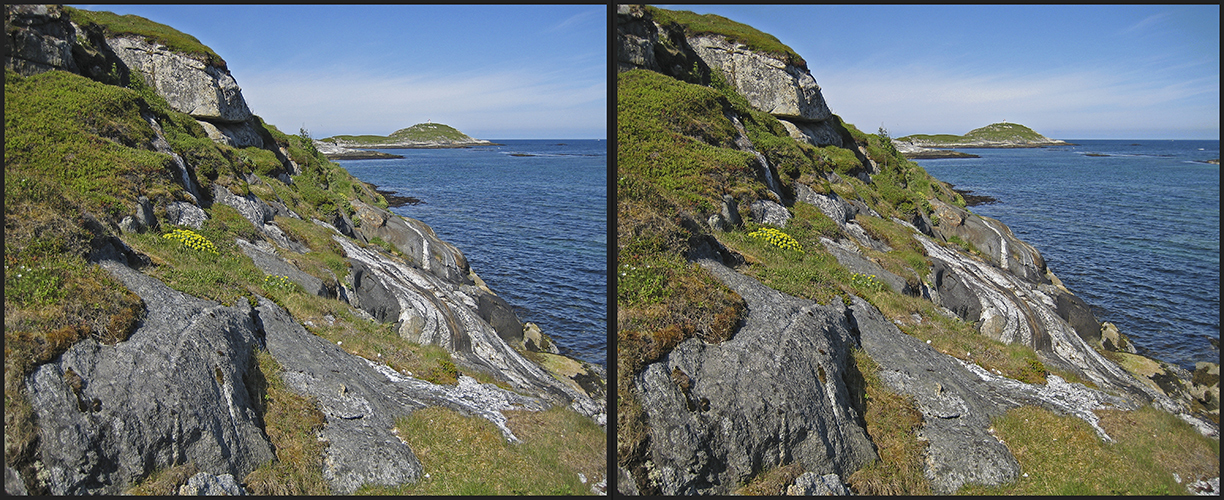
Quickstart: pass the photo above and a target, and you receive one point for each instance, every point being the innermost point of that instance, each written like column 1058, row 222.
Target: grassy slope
column 675, row 159
column 74, row 147
column 999, row 132
column 421, row 132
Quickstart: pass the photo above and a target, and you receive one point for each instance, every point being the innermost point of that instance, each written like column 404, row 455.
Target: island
column 420, row 136
column 995, row 135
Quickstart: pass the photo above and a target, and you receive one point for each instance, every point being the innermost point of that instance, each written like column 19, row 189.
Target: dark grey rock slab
column 175, row 391
column 772, row 395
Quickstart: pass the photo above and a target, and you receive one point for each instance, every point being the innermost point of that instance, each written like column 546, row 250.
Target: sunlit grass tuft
column 467, row 455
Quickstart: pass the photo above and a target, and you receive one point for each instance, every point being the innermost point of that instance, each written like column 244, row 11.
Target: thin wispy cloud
column 577, row 20
column 493, row 105
column 1146, row 22
column 944, row 101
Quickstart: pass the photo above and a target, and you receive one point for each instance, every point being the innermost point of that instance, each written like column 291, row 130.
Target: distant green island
column 420, row 136
column 995, row 135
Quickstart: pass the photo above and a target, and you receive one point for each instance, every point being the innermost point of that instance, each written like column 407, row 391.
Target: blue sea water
column 1130, row 226
column 530, row 216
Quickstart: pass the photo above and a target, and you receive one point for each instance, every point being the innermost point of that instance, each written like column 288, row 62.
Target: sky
column 491, row 71
column 1067, row 72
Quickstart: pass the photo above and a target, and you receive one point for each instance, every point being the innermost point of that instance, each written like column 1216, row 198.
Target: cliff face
column 710, row 126
column 270, row 264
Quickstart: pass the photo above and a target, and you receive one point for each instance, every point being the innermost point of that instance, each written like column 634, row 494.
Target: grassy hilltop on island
column 419, row 135
column 994, row 135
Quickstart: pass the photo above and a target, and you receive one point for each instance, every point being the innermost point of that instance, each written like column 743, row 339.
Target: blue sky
column 1070, row 72
column 491, row 71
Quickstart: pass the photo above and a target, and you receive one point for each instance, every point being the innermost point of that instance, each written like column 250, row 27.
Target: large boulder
column 180, row 389
column 770, row 212
column 498, row 313
column 190, row 86
column 1076, row 313
column 774, row 394
column 769, row 83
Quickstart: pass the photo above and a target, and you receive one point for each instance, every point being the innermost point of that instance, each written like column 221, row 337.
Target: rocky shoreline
column 339, row 150
column 188, row 382
column 779, row 390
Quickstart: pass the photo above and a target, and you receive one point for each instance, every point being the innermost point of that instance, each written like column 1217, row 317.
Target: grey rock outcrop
column 498, row 313
column 842, row 212
column 772, row 395
column 643, row 44
column 813, row 484
column 207, row 484
column 1076, row 313
column 958, row 402
column 38, row 39
column 260, row 213
column 416, row 240
column 769, row 83
column 817, row 134
column 854, row 261
column 264, row 257
column 361, row 400
column 185, row 214
column 728, row 217
column 1016, row 310
column 427, row 309
column 238, row 135
column 178, row 390
column 993, row 238
column 13, row 484
column 204, row 91
column 769, row 212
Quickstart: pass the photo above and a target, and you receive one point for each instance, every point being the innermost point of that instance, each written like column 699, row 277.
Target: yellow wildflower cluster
column 192, row 240
column 867, row 281
column 777, row 238
column 281, row 282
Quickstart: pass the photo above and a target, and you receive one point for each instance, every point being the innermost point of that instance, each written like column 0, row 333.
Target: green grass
column 467, row 455
column 1062, row 455
column 130, row 24
column 291, row 423
column 893, row 423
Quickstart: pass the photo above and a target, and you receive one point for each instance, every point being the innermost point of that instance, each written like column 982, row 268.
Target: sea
column 531, row 216
column 1130, row 226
